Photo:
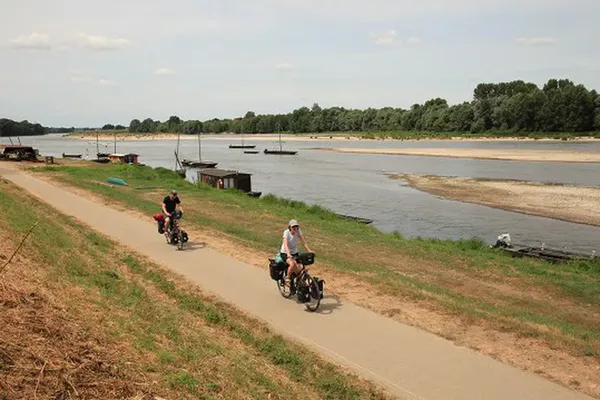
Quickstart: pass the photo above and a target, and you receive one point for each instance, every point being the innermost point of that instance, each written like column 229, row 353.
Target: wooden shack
column 18, row 152
column 225, row 179
column 130, row 158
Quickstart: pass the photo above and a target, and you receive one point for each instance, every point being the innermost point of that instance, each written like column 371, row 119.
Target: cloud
column 35, row 41
column 164, row 71
column 102, row 43
column 79, row 76
column 105, row 82
column 378, row 11
column 284, row 66
column 385, row 38
column 390, row 38
column 536, row 41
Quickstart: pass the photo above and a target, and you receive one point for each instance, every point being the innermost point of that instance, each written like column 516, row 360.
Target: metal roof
column 220, row 173
column 15, row 146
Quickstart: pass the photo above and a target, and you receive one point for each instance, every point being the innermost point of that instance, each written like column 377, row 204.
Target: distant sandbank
column 487, row 154
column 577, row 204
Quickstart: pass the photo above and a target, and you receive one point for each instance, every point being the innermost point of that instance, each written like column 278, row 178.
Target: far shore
column 577, row 204
column 486, row 154
column 355, row 136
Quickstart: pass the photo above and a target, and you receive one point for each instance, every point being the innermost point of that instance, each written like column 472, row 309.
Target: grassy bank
column 82, row 317
column 554, row 309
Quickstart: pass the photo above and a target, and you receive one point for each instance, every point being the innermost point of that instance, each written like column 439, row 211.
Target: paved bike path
column 411, row 363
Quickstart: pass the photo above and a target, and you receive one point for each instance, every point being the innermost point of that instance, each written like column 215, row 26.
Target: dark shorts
column 284, row 256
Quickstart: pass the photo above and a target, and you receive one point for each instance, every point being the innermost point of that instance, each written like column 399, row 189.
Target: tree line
column 8, row 127
column 517, row 106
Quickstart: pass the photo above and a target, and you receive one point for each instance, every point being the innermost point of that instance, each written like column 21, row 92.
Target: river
column 358, row 184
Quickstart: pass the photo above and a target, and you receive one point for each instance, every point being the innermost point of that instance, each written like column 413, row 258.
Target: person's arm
column 164, row 208
column 304, row 243
column 286, row 246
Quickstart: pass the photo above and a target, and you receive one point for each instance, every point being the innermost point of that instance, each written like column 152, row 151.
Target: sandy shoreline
column 288, row 137
column 248, row 139
column 486, row 154
column 577, row 204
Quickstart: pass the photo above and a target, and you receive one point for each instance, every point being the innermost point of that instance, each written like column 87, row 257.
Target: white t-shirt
column 292, row 241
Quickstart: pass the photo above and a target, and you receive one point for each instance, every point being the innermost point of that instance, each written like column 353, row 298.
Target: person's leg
column 292, row 268
column 167, row 223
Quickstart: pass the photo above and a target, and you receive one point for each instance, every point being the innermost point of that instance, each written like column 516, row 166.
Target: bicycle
column 308, row 289
column 173, row 233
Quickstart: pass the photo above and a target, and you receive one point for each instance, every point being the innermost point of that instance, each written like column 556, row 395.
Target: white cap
column 293, row 223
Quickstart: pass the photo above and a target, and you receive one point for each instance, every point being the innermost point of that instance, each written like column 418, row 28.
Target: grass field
column 82, row 317
column 554, row 308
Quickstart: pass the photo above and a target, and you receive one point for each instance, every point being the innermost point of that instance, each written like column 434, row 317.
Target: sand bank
column 487, row 154
column 568, row 203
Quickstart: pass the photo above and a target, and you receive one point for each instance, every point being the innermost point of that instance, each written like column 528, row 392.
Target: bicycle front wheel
column 314, row 294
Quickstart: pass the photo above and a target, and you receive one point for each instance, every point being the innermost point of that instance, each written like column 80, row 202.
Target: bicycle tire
column 314, row 293
column 285, row 291
column 179, row 240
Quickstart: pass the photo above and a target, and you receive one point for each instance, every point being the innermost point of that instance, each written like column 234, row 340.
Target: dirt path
column 566, row 203
column 484, row 154
column 409, row 362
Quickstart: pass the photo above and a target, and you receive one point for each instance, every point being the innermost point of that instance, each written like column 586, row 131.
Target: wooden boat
column 102, row 155
column 241, row 146
column 254, row 194
column 365, row 221
column 199, row 164
column 251, row 152
column 280, row 151
column 66, row 155
column 101, row 160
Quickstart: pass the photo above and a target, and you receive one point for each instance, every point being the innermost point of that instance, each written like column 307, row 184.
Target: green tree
column 135, row 126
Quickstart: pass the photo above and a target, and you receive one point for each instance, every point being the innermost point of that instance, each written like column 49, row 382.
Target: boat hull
column 281, row 152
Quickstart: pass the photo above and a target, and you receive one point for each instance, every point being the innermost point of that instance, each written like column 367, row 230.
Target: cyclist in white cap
column 289, row 248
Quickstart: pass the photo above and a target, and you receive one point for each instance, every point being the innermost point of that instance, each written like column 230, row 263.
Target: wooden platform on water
column 365, row 221
column 542, row 253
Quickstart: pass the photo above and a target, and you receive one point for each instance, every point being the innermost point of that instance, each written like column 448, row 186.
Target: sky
column 90, row 62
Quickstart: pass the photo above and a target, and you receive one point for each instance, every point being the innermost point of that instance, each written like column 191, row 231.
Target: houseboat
column 18, row 152
column 226, row 179
column 130, row 158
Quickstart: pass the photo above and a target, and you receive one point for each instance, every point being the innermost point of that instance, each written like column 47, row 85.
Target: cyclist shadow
column 191, row 245
column 329, row 304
